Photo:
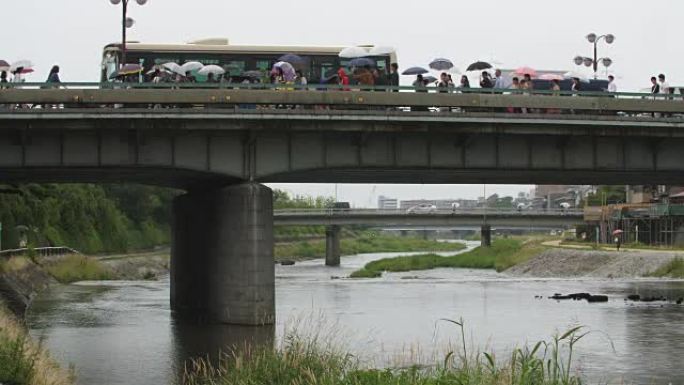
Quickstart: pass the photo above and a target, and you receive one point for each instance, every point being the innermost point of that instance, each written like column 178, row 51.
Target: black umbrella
column 292, row 59
column 415, row 71
column 479, row 66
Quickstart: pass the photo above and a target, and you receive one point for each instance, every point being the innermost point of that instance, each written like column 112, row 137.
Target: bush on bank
column 503, row 254
column 674, row 269
column 23, row 362
column 299, row 361
column 75, row 268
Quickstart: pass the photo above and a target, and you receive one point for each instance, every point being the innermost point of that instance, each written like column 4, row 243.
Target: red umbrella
column 522, row 71
column 618, row 232
column 551, row 77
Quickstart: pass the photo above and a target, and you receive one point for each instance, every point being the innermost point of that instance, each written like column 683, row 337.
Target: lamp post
column 126, row 22
column 594, row 62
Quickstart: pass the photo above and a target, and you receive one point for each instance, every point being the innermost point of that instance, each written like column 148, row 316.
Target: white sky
column 542, row 34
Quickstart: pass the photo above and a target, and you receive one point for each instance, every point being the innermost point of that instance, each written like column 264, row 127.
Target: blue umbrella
column 362, row 62
column 415, row 71
column 292, row 59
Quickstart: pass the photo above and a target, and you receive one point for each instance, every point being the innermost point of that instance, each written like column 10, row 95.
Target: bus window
column 234, row 67
column 263, row 65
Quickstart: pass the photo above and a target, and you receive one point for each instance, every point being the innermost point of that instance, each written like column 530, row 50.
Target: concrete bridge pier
column 486, row 236
column 222, row 268
column 332, row 245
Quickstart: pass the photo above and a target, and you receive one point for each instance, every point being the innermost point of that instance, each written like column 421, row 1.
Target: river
column 124, row 333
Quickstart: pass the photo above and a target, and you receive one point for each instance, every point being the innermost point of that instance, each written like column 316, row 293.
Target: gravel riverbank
column 570, row 263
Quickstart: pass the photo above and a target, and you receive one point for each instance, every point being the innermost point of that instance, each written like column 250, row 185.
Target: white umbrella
column 572, row 74
column 191, row 66
column 353, row 52
column 211, row 69
column 173, row 67
column 381, row 50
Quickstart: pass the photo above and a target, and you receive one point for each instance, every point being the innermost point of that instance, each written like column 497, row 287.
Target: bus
column 319, row 62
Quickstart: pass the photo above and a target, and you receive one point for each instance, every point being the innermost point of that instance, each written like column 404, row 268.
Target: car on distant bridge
column 423, row 208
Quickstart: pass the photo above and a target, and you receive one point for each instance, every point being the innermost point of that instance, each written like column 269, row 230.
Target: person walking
column 394, row 76
column 364, row 76
column 499, row 80
column 343, row 79
column 420, row 86
column 3, row 77
column 612, row 87
column 486, row 80
column 301, row 80
column 53, row 77
column 465, row 83
column 655, row 87
column 555, row 88
column 664, row 86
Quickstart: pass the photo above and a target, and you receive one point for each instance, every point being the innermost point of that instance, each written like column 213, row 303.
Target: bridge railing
column 326, row 97
column 39, row 251
column 408, row 212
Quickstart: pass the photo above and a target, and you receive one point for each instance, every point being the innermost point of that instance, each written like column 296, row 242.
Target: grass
column 75, row 268
column 13, row 264
column 304, row 362
column 503, row 254
column 365, row 243
column 23, row 362
column 674, row 269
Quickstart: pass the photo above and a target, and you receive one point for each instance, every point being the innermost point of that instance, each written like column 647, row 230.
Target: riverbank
column 503, row 254
column 362, row 244
column 24, row 362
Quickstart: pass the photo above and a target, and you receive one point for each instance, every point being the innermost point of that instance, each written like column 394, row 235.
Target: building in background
column 386, row 203
column 441, row 204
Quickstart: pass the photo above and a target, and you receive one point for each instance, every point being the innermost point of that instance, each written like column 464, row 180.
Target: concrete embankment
column 138, row 266
column 20, row 281
column 572, row 263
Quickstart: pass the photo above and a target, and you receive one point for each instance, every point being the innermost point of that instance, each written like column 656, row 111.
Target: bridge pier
column 486, row 236
column 222, row 268
column 332, row 245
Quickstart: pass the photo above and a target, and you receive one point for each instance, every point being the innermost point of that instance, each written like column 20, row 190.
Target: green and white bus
column 319, row 62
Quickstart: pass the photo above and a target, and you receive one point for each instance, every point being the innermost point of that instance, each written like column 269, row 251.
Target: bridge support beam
column 332, row 245
column 222, row 268
column 486, row 236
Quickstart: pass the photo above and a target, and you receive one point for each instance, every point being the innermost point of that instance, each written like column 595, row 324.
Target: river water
column 124, row 332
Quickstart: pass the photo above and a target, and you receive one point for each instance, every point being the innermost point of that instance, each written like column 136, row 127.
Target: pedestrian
column 419, row 84
column 210, row 78
column 617, row 243
column 465, row 83
column 655, row 87
column 53, row 77
column 364, row 76
column 612, row 87
column 450, row 81
column 3, row 77
column 499, row 80
column 17, row 78
column 555, row 88
column 301, row 80
column 343, row 79
column 664, row 86
column 443, row 83
column 486, row 80
column 394, row 76
column 576, row 85
column 189, row 78
column 515, row 85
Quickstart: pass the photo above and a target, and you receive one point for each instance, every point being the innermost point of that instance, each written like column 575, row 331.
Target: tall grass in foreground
column 503, row 254
column 300, row 361
column 23, row 362
column 74, row 268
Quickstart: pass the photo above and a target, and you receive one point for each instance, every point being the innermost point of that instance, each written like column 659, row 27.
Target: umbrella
column 618, row 232
column 292, row 59
column 172, row 67
column 25, row 65
column 191, row 66
column 429, row 79
column 479, row 66
column 551, row 77
column 128, row 69
column 381, row 51
column 4, row 66
column 211, row 69
column 353, row 52
column 362, row 62
column 253, row 74
column 441, row 64
column 289, row 73
column 415, row 71
column 525, row 71
column 576, row 75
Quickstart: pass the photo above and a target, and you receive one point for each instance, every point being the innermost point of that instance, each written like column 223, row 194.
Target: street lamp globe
column 588, row 61
column 129, row 22
column 115, row 2
column 610, row 38
column 141, row 2
column 578, row 60
column 591, row 37
column 607, row 62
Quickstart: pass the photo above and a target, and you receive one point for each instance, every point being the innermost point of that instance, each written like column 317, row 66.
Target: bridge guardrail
column 41, row 251
column 401, row 212
column 171, row 96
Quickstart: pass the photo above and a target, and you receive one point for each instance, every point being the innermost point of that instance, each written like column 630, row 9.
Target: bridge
column 221, row 144
column 483, row 218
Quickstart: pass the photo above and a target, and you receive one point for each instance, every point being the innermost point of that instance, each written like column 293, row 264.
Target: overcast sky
column 542, row 34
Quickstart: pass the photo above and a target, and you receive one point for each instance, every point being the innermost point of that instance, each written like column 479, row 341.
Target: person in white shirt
column 664, row 87
column 612, row 87
column 500, row 82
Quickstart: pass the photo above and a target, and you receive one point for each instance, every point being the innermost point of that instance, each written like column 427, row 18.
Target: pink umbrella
column 522, row 71
column 617, row 232
column 288, row 70
column 551, row 77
